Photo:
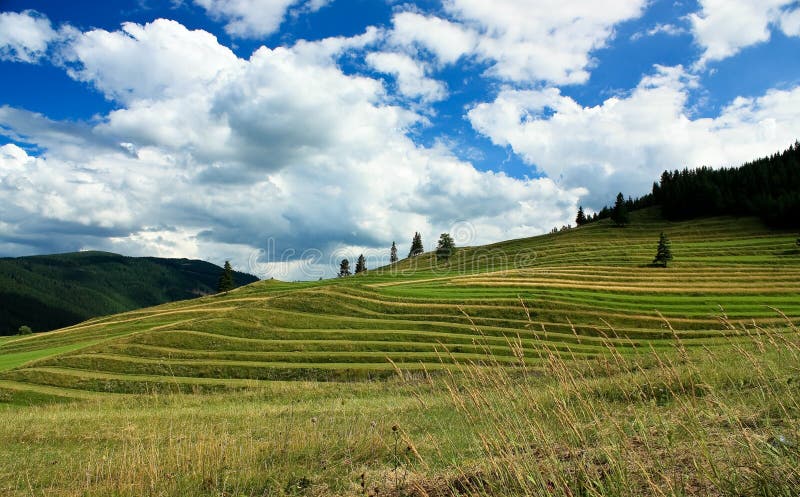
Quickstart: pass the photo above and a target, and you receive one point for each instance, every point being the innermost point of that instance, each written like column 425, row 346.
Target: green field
column 557, row 365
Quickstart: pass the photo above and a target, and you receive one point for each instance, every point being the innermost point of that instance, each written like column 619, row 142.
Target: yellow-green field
column 556, row 365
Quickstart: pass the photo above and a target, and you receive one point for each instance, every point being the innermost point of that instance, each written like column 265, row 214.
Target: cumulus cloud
column 24, row 36
column 448, row 41
column 522, row 42
column 211, row 155
column 410, row 74
column 724, row 27
column 625, row 142
column 152, row 61
column 790, row 22
column 255, row 18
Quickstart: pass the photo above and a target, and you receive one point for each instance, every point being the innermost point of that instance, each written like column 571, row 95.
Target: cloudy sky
column 284, row 134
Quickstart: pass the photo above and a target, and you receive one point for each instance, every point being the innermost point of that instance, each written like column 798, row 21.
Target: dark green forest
column 768, row 188
column 52, row 291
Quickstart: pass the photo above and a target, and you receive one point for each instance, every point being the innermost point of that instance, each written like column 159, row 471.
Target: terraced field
column 572, row 292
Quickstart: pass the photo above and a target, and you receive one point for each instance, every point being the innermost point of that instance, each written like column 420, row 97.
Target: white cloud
column 542, row 40
column 724, row 27
column 447, row 40
column 665, row 29
column 255, row 18
column 790, row 23
column 522, row 41
column 24, row 36
column 625, row 143
column 410, row 74
column 211, row 155
column 157, row 60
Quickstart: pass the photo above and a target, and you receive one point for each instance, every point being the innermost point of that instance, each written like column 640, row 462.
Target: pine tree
column 664, row 252
column 393, row 254
column 361, row 264
column 620, row 214
column 226, row 278
column 580, row 220
column 416, row 246
column 445, row 247
column 344, row 268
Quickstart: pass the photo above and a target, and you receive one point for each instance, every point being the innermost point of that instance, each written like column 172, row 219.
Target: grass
column 15, row 360
column 555, row 365
column 683, row 421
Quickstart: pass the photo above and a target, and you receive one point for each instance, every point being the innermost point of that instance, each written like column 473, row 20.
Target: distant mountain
column 47, row 292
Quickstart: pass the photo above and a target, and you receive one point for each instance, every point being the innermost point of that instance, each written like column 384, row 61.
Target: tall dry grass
column 722, row 421
column 655, row 422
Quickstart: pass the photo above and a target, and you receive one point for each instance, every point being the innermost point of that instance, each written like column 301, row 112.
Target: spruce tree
column 416, row 246
column 226, row 278
column 664, row 252
column 580, row 220
column 445, row 247
column 619, row 214
column 393, row 254
column 344, row 268
column 361, row 264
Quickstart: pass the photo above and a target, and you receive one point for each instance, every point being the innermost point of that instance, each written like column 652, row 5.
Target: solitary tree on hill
column 344, row 268
column 620, row 212
column 445, row 247
column 226, row 278
column 416, row 246
column 580, row 220
column 361, row 264
column 664, row 252
column 24, row 330
column 393, row 254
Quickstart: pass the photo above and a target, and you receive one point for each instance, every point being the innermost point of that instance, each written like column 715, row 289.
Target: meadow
column 563, row 364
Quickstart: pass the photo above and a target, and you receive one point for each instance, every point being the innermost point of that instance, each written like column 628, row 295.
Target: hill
column 563, row 291
column 558, row 365
column 52, row 291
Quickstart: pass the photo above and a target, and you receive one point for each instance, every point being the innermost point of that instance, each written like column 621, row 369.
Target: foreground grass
column 721, row 421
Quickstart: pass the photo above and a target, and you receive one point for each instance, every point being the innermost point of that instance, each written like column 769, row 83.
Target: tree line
column 444, row 249
column 768, row 188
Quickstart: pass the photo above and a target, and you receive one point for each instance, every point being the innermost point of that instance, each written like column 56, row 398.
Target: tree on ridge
column 416, row 246
column 619, row 214
column 361, row 264
column 226, row 278
column 580, row 220
column 344, row 268
column 445, row 247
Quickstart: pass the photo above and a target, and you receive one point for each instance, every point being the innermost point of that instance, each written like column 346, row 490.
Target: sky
column 285, row 135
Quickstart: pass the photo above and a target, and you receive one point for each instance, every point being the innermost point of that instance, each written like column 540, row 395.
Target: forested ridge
column 52, row 291
column 768, row 188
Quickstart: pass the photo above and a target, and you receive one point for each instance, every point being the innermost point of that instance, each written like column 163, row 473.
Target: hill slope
column 52, row 291
column 563, row 292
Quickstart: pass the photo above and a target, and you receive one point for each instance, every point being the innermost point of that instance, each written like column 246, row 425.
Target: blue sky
column 285, row 134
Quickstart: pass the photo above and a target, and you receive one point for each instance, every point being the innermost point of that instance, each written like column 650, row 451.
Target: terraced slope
column 567, row 292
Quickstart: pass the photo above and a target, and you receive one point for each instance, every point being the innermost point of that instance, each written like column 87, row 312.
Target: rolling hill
column 52, row 291
column 570, row 293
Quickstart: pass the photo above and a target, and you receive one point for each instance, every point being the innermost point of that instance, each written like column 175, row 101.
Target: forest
column 52, row 291
column 768, row 188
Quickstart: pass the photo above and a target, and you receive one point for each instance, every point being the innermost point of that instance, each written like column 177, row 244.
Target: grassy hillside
column 562, row 365
column 567, row 291
column 52, row 291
